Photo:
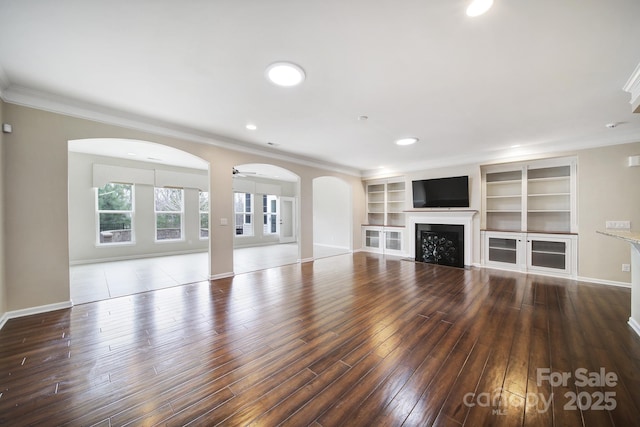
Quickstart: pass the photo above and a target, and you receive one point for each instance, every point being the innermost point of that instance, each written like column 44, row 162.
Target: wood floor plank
column 356, row 340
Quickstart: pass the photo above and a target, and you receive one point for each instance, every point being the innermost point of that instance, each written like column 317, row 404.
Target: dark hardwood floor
column 357, row 340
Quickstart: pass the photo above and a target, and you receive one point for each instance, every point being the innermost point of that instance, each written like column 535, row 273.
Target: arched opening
column 266, row 217
column 332, row 213
column 138, row 218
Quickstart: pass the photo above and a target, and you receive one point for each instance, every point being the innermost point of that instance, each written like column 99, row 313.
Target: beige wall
column 3, row 293
column 36, row 208
column 608, row 189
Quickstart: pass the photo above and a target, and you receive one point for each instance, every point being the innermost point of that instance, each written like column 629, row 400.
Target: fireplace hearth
column 441, row 244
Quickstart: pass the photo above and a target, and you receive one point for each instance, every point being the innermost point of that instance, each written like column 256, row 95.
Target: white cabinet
column 553, row 254
column 385, row 240
column 504, row 250
column 386, row 202
column 529, row 216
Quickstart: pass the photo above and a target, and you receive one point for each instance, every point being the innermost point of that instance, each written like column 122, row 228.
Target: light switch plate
column 618, row 225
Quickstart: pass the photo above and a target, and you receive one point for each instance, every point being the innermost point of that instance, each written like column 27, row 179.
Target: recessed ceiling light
column 285, row 74
column 611, row 125
column 479, row 7
column 251, row 126
column 132, row 154
column 406, row 141
column 515, row 146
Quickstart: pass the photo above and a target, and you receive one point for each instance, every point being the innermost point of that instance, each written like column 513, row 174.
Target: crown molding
column 41, row 100
column 633, row 87
column 524, row 153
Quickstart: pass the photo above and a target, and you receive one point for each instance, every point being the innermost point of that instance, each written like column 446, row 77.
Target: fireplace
column 450, row 217
column 441, row 244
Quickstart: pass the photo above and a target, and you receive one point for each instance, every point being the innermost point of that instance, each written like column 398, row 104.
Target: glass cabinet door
column 548, row 254
column 372, row 238
column 393, row 240
column 503, row 250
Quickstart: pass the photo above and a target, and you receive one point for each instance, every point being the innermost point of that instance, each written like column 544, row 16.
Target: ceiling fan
column 243, row 174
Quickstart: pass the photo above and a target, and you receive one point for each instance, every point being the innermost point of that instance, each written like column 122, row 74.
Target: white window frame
column 106, row 211
column 157, row 212
column 267, row 214
column 205, row 212
column 245, row 214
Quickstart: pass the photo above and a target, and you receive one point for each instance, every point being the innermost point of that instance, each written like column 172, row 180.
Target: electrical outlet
column 618, row 225
column 626, row 267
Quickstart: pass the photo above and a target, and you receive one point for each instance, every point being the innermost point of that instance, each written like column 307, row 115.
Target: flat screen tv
column 450, row 192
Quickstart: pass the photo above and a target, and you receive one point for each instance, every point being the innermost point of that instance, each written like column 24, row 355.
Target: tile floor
column 100, row 281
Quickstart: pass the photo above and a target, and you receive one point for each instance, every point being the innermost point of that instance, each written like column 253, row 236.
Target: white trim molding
column 634, row 325
column 221, row 275
column 4, row 319
column 32, row 98
column 604, row 282
column 35, row 310
column 633, row 87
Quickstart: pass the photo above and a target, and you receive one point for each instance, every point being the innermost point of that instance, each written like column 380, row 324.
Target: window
column 270, row 212
column 204, row 215
column 169, row 209
column 243, row 207
column 114, row 213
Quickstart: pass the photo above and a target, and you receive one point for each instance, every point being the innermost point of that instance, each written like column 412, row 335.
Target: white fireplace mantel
column 448, row 217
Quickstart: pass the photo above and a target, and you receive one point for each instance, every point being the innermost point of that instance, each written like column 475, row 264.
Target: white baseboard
column 4, row 319
column 604, row 282
column 344, row 248
column 221, row 275
column 634, row 325
column 34, row 310
column 132, row 257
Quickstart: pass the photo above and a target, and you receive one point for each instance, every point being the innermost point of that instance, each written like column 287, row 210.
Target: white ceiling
column 546, row 75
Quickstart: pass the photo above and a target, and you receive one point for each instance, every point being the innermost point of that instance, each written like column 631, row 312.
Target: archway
column 332, row 217
column 266, row 217
column 138, row 217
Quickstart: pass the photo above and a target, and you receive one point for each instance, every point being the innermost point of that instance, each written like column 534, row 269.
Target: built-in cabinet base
column 553, row 254
column 380, row 239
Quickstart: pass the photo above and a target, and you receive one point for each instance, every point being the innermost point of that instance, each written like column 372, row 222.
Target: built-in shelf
column 386, row 201
column 536, row 195
column 528, row 216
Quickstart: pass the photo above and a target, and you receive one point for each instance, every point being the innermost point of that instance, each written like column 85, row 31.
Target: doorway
column 265, row 217
column 120, row 225
column 287, row 219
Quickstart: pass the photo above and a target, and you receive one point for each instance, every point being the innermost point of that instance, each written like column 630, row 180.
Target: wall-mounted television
column 452, row 192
